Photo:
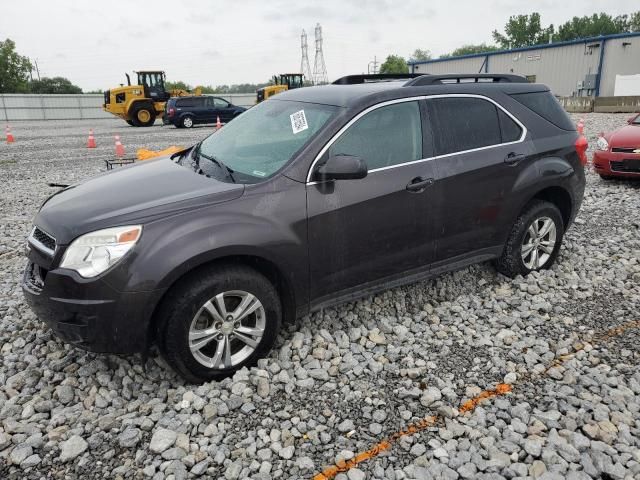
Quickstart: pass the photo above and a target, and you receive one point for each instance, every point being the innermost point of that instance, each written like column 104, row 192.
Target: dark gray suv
column 317, row 196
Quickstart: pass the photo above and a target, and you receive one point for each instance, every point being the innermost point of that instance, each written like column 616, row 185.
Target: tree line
column 528, row 30
column 16, row 76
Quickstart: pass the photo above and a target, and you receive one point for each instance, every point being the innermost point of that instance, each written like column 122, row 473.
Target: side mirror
column 342, row 167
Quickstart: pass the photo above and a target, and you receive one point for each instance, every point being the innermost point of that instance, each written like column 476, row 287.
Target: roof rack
column 465, row 78
column 378, row 77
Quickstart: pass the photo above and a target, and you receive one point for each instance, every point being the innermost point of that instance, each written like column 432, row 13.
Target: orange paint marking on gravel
column 345, row 465
column 468, row 406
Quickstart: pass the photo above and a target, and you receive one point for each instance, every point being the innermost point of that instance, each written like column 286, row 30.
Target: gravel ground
column 340, row 381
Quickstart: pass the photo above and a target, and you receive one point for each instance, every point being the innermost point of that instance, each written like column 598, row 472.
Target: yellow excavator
column 281, row 83
column 139, row 105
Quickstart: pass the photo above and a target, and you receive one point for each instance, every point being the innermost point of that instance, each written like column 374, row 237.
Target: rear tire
column 130, row 123
column 143, row 115
column 534, row 241
column 195, row 332
column 606, row 177
column 187, row 121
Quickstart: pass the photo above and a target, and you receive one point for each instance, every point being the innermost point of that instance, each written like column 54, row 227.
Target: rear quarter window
column 188, row 102
column 547, row 106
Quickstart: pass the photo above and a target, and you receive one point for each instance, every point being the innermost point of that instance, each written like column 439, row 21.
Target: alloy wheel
column 227, row 329
column 538, row 243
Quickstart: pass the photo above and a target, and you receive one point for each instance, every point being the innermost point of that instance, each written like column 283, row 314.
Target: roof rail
column 465, row 78
column 378, row 77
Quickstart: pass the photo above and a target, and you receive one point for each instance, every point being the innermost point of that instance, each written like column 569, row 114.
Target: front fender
column 254, row 225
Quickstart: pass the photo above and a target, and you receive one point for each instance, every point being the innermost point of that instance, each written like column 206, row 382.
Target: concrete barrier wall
column 622, row 104
column 577, row 104
column 15, row 107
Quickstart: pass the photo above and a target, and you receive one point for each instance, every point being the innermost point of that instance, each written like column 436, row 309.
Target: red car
column 618, row 153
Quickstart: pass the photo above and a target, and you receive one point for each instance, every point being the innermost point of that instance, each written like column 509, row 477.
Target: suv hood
column 128, row 195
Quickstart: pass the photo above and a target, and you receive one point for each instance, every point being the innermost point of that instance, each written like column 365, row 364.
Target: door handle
column 418, row 184
column 513, row 158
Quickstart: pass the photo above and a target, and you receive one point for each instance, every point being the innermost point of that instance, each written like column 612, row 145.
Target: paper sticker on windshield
column 258, row 173
column 298, row 122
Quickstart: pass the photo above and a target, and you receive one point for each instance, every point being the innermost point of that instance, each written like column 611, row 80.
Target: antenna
column 305, row 69
column 319, row 68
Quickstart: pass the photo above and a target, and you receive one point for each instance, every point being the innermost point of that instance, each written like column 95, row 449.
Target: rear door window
column 463, row 123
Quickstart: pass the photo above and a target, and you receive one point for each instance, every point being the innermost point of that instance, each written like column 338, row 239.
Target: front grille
column 626, row 166
column 624, row 149
column 41, row 239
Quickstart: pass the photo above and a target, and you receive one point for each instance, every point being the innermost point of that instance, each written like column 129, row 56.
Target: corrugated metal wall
column 74, row 107
column 465, row 65
column 560, row 67
column 621, row 57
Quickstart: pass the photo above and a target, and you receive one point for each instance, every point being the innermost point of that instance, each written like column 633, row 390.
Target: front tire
column 143, row 115
column 217, row 322
column 534, row 241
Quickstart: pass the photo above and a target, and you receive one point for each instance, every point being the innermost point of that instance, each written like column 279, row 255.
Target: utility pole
column 320, row 76
column 375, row 66
column 305, row 68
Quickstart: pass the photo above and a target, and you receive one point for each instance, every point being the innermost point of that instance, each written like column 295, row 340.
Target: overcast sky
column 221, row 42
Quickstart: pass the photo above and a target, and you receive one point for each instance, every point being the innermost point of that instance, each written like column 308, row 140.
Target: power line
column 320, row 76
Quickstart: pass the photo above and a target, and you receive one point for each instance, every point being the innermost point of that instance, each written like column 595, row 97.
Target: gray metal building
column 585, row 67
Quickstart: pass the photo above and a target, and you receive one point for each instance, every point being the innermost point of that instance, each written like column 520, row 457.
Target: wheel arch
column 259, row 263
column 560, row 197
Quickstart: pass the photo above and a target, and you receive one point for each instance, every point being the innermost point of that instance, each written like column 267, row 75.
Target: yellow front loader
column 281, row 83
column 139, row 105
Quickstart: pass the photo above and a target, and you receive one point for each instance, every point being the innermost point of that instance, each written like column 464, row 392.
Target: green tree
column 394, row 64
column 594, row 25
column 14, row 69
column 53, row 85
column 470, row 49
column 634, row 22
column 420, row 55
column 178, row 85
column 522, row 31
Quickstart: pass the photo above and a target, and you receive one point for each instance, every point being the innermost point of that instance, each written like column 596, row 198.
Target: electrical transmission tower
column 305, row 69
column 319, row 68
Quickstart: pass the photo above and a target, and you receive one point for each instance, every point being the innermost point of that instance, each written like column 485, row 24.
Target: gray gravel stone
column 162, row 439
column 72, row 448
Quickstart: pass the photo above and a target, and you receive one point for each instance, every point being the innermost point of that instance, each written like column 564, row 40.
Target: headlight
column 95, row 252
column 602, row 144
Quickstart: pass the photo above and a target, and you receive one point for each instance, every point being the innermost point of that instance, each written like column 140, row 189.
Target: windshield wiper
column 223, row 166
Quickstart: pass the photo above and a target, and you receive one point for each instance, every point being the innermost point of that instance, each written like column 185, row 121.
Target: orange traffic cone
column 91, row 143
column 580, row 126
column 218, row 124
column 119, row 147
column 10, row 138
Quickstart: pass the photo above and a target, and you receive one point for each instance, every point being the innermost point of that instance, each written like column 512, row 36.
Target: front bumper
column 88, row 313
column 615, row 164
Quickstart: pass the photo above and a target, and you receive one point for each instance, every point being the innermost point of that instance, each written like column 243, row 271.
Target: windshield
column 263, row 139
column 636, row 121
